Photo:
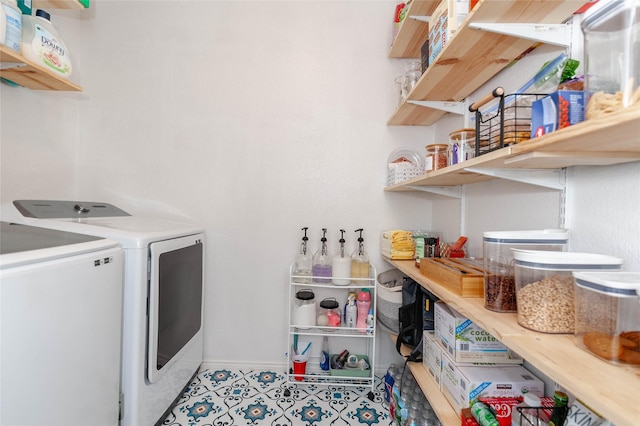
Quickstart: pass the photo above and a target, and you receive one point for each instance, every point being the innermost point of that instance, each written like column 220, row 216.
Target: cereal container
column 545, row 289
column 499, row 276
column 612, row 58
column 608, row 315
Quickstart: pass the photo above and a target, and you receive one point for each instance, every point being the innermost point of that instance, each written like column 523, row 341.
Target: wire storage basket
column 505, row 123
column 537, row 416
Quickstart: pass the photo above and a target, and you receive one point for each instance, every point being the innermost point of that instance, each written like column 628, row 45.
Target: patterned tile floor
column 238, row 397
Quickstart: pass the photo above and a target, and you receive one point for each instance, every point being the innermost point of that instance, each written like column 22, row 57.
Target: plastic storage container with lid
column 499, row 275
column 544, row 286
column 304, row 309
column 612, row 58
column 437, row 156
column 608, row 315
column 42, row 45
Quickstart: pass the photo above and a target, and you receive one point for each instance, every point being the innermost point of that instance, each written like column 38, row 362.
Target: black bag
column 415, row 315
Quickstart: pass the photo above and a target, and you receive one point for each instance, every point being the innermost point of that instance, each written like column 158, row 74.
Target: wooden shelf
column 30, row 75
column 587, row 143
column 472, row 56
column 413, row 33
column 610, row 390
column 445, row 412
column 57, row 4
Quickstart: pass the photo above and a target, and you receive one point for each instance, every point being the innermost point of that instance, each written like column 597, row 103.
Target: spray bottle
column 359, row 260
column 303, row 263
column 322, row 261
column 341, row 265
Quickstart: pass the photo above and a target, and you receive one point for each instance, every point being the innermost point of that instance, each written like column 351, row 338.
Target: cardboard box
column 463, row 384
column 580, row 415
column 424, row 55
column 465, row 342
column 443, row 23
column 432, row 356
column 560, row 109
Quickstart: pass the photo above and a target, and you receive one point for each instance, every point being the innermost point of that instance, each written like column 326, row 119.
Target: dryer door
column 175, row 300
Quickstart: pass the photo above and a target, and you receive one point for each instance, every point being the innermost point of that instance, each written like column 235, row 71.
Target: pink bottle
column 364, row 304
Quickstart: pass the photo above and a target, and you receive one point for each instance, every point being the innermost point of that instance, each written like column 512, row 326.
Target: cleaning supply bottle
column 364, row 305
column 322, row 261
column 359, row 260
column 42, row 45
column 324, row 356
column 341, row 265
column 10, row 24
column 303, row 262
column 370, row 321
column 351, row 310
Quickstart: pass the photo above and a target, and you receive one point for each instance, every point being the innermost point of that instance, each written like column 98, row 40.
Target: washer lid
column 23, row 244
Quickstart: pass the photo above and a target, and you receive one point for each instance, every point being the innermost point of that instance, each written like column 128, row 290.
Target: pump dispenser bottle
column 322, row 261
column 359, row 260
column 341, row 265
column 303, row 262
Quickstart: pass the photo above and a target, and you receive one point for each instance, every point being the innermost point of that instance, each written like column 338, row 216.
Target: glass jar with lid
column 304, row 309
column 437, row 156
column 329, row 312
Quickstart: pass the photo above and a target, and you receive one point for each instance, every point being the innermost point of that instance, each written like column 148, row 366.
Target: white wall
column 255, row 119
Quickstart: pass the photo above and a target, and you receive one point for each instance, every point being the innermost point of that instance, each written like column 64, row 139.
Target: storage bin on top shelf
column 505, row 123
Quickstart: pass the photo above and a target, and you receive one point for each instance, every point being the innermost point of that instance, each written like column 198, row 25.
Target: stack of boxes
column 470, row 364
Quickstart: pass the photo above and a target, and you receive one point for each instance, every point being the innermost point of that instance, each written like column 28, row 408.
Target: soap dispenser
column 341, row 265
column 322, row 261
column 359, row 260
column 303, row 262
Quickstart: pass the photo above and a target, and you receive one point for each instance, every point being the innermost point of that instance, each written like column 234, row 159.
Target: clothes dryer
column 163, row 297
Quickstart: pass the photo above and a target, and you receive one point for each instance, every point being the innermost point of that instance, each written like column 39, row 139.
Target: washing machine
column 162, row 345
column 61, row 325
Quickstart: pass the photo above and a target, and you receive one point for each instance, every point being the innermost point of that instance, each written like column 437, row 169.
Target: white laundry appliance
column 162, row 346
column 61, row 327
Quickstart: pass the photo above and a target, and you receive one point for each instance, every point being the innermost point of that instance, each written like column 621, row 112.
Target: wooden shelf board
column 610, row 390
column 31, row 76
column 57, row 4
column 445, row 412
column 589, row 143
column 472, row 56
column 413, row 33
column 415, row 115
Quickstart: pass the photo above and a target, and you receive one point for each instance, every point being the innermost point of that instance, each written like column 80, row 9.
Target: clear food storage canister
column 499, row 279
column 463, row 145
column 608, row 315
column 437, row 156
column 612, row 56
column 544, row 286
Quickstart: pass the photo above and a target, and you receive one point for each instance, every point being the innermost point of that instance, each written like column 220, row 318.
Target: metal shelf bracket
column 448, row 191
column 547, row 178
column 556, row 34
column 449, row 106
column 9, row 65
column 420, row 18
